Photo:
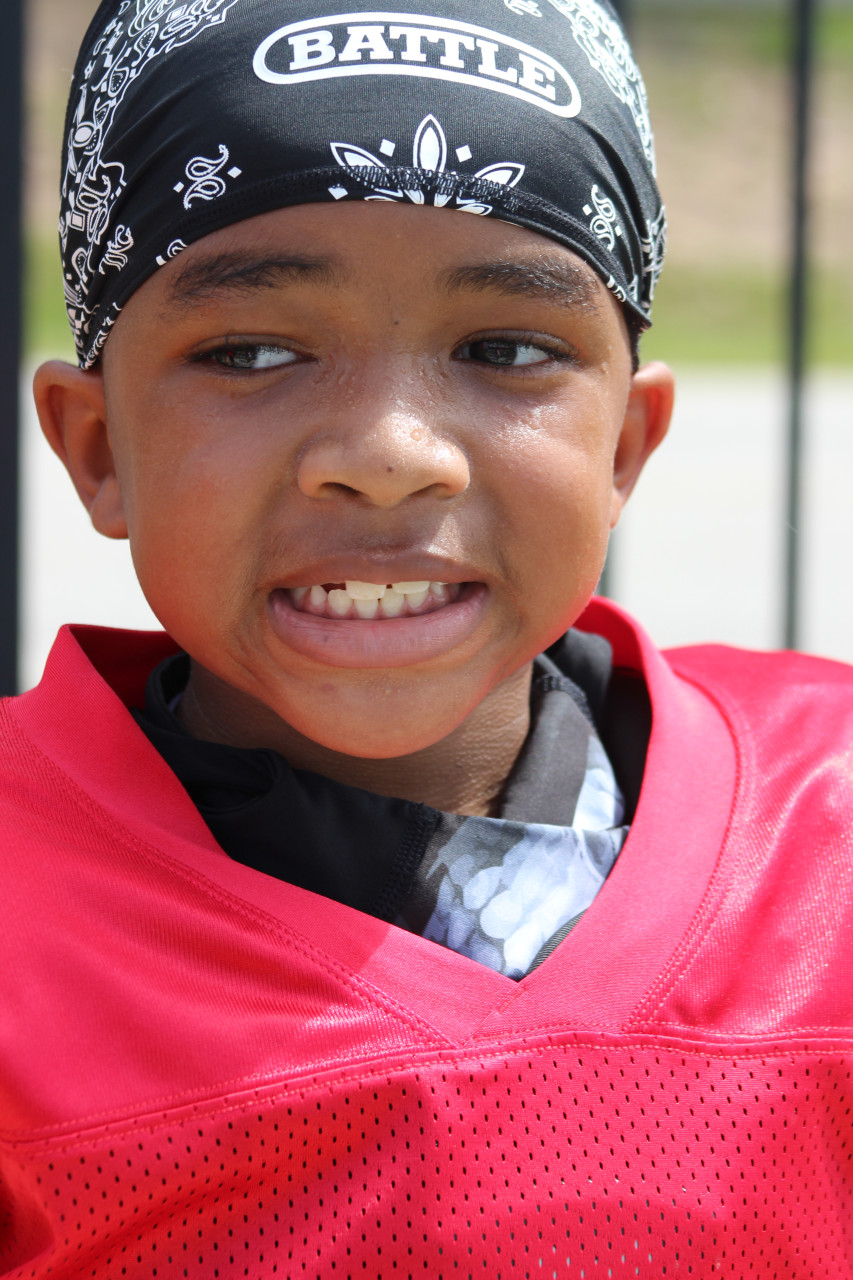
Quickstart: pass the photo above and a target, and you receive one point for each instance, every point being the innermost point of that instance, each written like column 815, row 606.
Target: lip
column 390, row 567
column 389, row 642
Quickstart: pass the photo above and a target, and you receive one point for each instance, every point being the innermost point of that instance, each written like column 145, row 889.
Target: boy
column 327, row 948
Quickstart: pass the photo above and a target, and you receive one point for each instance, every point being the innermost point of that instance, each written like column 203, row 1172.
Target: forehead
column 333, row 248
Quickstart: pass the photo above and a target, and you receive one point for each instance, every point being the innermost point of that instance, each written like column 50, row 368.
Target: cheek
column 557, row 472
column 565, row 515
column 196, row 508
column 556, row 486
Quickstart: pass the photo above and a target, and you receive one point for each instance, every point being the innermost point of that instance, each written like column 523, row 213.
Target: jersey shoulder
column 776, row 927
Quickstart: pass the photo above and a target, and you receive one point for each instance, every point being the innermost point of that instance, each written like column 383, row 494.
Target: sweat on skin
column 310, row 427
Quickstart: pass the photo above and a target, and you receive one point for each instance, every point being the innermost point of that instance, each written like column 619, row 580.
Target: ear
column 72, row 412
column 647, row 419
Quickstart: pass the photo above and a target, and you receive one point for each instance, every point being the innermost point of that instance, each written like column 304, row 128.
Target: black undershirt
column 364, row 850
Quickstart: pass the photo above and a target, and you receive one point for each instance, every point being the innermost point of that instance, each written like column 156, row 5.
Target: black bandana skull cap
column 187, row 117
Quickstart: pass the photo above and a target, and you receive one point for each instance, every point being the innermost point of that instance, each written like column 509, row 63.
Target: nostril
column 381, row 467
column 332, row 488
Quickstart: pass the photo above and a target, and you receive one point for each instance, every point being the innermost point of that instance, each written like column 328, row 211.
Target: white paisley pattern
column 117, row 250
column 141, row 31
column 609, row 53
column 631, row 294
column 653, row 245
column 176, row 247
column 430, row 154
column 204, row 174
column 603, row 218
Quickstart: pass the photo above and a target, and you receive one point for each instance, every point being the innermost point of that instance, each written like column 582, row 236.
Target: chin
column 376, row 715
column 385, row 742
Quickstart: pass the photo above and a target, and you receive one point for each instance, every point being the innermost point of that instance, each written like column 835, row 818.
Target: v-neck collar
column 365, row 850
column 596, row 977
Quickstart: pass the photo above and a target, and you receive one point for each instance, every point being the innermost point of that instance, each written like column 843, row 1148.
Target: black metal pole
column 802, row 67
column 11, row 152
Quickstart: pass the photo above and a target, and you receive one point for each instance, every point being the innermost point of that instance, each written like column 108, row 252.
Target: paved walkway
column 700, row 552
column 698, row 555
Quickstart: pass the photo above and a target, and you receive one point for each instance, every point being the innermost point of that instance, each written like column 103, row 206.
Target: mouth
column 372, row 601
column 353, row 623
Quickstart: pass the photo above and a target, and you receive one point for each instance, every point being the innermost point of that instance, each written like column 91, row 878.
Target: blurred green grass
column 744, row 31
column 711, row 315
column 736, row 311
column 46, row 329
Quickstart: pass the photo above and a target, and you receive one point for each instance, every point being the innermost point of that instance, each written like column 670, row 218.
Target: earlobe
column 72, row 411
column 647, row 419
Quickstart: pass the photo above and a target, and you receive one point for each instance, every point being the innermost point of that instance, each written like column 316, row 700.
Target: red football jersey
column 207, row 1072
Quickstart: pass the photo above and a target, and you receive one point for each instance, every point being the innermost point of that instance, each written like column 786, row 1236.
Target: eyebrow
column 203, row 278
column 567, row 283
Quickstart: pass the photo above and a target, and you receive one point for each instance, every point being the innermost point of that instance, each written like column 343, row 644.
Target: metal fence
column 802, row 16
column 11, row 156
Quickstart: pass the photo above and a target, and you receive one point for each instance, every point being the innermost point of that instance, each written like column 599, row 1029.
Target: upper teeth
column 374, row 590
column 365, row 597
column 366, row 590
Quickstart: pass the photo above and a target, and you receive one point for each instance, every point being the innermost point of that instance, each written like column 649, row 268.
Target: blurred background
column 700, row 554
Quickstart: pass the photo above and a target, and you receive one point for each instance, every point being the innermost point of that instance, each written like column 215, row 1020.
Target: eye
column 250, row 356
column 511, row 353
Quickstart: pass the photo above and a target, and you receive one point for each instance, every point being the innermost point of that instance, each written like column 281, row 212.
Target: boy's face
column 371, row 393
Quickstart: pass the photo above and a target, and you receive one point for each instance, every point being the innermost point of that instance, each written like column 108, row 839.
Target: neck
column 463, row 773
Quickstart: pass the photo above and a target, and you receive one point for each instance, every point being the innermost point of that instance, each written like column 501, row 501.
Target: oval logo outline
column 328, row 72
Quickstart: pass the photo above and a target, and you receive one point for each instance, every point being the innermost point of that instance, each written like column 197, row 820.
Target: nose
column 384, row 461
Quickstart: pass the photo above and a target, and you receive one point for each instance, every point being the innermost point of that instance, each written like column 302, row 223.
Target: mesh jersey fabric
column 205, row 1071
